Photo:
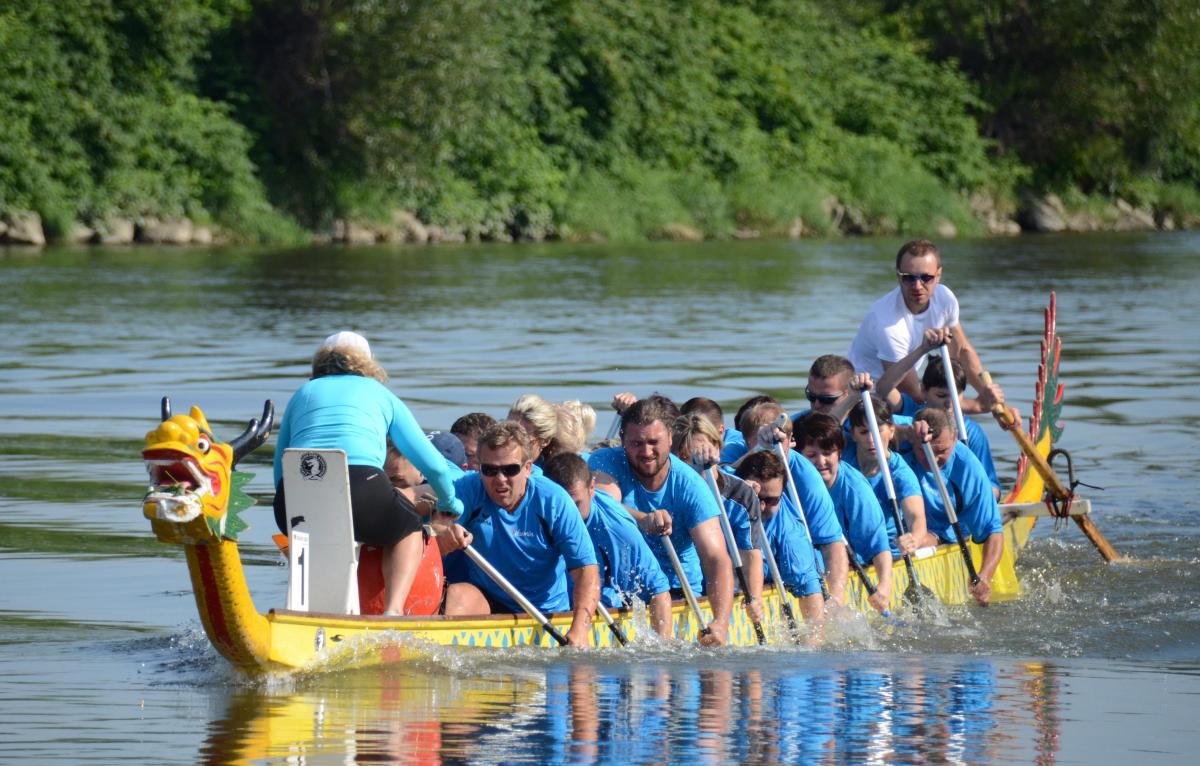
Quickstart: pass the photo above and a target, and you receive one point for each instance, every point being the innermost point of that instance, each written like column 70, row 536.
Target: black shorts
column 382, row 516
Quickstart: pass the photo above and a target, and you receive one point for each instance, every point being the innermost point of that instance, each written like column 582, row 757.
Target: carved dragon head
column 195, row 495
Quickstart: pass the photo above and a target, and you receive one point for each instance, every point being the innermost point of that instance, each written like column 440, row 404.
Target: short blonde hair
column 346, row 360
column 689, row 427
column 540, row 414
column 577, row 420
column 760, row 415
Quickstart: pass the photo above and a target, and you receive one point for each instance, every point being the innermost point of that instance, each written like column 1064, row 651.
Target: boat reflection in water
column 786, row 709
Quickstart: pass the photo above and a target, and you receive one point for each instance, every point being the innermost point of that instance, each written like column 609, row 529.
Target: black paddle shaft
column 747, row 599
column 908, row 564
column 858, row 569
column 966, row 554
column 555, row 633
column 788, row 614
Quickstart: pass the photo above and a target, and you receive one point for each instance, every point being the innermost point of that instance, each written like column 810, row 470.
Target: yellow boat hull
column 283, row 640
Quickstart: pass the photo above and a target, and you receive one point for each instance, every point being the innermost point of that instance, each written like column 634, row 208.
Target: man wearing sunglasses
column 896, row 323
column 828, row 382
column 529, row 529
column 766, row 474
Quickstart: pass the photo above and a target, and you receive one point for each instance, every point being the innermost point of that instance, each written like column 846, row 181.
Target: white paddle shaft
column 873, row 424
column 710, row 475
column 953, row 389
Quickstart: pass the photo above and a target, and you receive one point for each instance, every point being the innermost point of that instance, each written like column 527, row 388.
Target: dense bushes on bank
column 583, row 118
column 101, row 120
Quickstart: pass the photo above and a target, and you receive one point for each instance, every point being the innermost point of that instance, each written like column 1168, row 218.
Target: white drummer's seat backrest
column 317, row 487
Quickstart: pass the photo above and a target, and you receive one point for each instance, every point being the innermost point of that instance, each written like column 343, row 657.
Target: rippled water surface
column 102, row 659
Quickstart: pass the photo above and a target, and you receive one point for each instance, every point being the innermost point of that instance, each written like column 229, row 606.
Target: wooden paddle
column 950, row 512
column 514, row 594
column 688, row 594
column 915, row 590
column 1054, row 484
column 710, row 475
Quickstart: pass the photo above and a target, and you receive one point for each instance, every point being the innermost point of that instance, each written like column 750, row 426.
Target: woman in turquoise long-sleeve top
column 346, row 406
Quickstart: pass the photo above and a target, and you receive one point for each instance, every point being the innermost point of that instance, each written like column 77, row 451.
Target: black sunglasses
column 771, row 500
column 822, row 398
column 491, row 469
column 911, row 279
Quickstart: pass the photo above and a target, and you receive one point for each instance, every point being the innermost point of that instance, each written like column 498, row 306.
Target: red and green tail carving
column 1047, row 403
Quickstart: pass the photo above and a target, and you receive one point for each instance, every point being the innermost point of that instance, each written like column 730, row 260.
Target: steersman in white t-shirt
column 896, row 323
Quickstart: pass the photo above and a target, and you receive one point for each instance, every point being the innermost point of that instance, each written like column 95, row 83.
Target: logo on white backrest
column 312, row 466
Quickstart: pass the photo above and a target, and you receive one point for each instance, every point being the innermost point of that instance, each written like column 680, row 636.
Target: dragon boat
column 196, row 500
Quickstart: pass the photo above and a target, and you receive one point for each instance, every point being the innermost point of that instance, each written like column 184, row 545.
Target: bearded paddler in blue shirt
column 666, row 497
column 528, row 528
column 628, row 568
column 970, row 491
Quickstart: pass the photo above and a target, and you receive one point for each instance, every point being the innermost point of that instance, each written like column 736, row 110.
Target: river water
column 102, row 659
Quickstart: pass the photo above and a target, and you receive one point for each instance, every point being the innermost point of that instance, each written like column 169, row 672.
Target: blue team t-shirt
column 734, row 446
column 904, row 481
column 968, row 485
column 976, row 439
column 859, row 513
column 793, row 552
column 684, row 495
column 357, row 415
column 814, row 497
column 978, row 442
column 628, row 567
column 533, row 546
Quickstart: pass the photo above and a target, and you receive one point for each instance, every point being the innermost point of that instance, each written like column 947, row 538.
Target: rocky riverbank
column 1045, row 213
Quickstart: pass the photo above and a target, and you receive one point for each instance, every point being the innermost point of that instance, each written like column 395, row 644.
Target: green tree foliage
column 100, row 118
column 1097, row 93
column 616, row 117
column 573, row 118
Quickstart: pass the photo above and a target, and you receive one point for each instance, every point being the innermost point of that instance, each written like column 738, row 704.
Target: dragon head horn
column 257, row 431
column 166, row 408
